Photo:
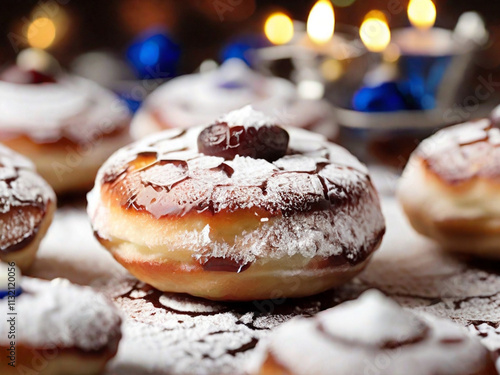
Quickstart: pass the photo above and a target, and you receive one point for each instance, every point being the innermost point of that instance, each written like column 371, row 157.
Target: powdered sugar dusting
column 186, row 334
column 196, row 99
column 439, row 347
column 372, row 320
column 73, row 107
column 24, row 197
column 246, row 117
column 464, row 151
column 62, row 314
column 158, row 340
column 314, row 173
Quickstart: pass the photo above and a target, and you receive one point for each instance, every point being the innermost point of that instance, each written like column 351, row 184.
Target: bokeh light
column 279, row 28
column 41, row 33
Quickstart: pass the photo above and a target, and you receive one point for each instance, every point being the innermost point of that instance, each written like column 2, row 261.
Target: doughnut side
column 219, row 256
column 27, row 205
column 65, row 329
column 57, row 361
column 184, row 219
column 24, row 252
column 461, row 217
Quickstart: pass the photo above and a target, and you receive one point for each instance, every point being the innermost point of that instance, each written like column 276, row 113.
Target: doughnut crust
column 373, row 335
column 450, row 188
column 27, row 205
column 62, row 329
column 70, row 129
column 237, row 229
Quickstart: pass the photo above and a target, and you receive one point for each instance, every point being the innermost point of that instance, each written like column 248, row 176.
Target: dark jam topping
column 14, row 74
column 224, row 265
column 268, row 142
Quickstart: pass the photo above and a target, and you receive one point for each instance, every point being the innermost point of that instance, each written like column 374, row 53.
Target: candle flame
column 41, row 33
column 375, row 32
column 321, row 22
column 279, row 28
column 422, row 13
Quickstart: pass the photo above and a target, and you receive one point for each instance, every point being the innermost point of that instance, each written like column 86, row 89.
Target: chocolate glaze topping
column 24, row 201
column 166, row 175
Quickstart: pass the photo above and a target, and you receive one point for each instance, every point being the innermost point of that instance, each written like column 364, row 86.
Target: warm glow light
column 321, row 22
column 41, row 33
column 279, row 28
column 375, row 32
column 422, row 13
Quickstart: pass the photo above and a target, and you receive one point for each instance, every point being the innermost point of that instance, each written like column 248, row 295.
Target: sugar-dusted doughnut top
column 166, row 175
column 195, row 99
column 24, row 200
column 463, row 152
column 70, row 108
column 361, row 336
column 63, row 315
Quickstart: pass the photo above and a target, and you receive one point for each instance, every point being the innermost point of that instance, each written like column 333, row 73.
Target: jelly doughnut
column 373, row 335
column 66, row 125
column 242, row 209
column 59, row 329
column 450, row 188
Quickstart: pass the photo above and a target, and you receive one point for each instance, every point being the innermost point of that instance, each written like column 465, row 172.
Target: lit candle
column 375, row 32
column 423, row 38
column 291, row 38
column 321, row 38
column 321, row 22
column 319, row 54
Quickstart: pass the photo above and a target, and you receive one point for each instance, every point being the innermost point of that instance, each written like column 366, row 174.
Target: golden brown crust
column 464, row 153
column 449, row 189
column 271, row 367
column 56, row 361
column 262, row 280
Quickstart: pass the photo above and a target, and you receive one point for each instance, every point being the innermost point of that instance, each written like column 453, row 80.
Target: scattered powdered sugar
column 161, row 340
column 248, row 117
column 178, row 334
column 58, row 313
